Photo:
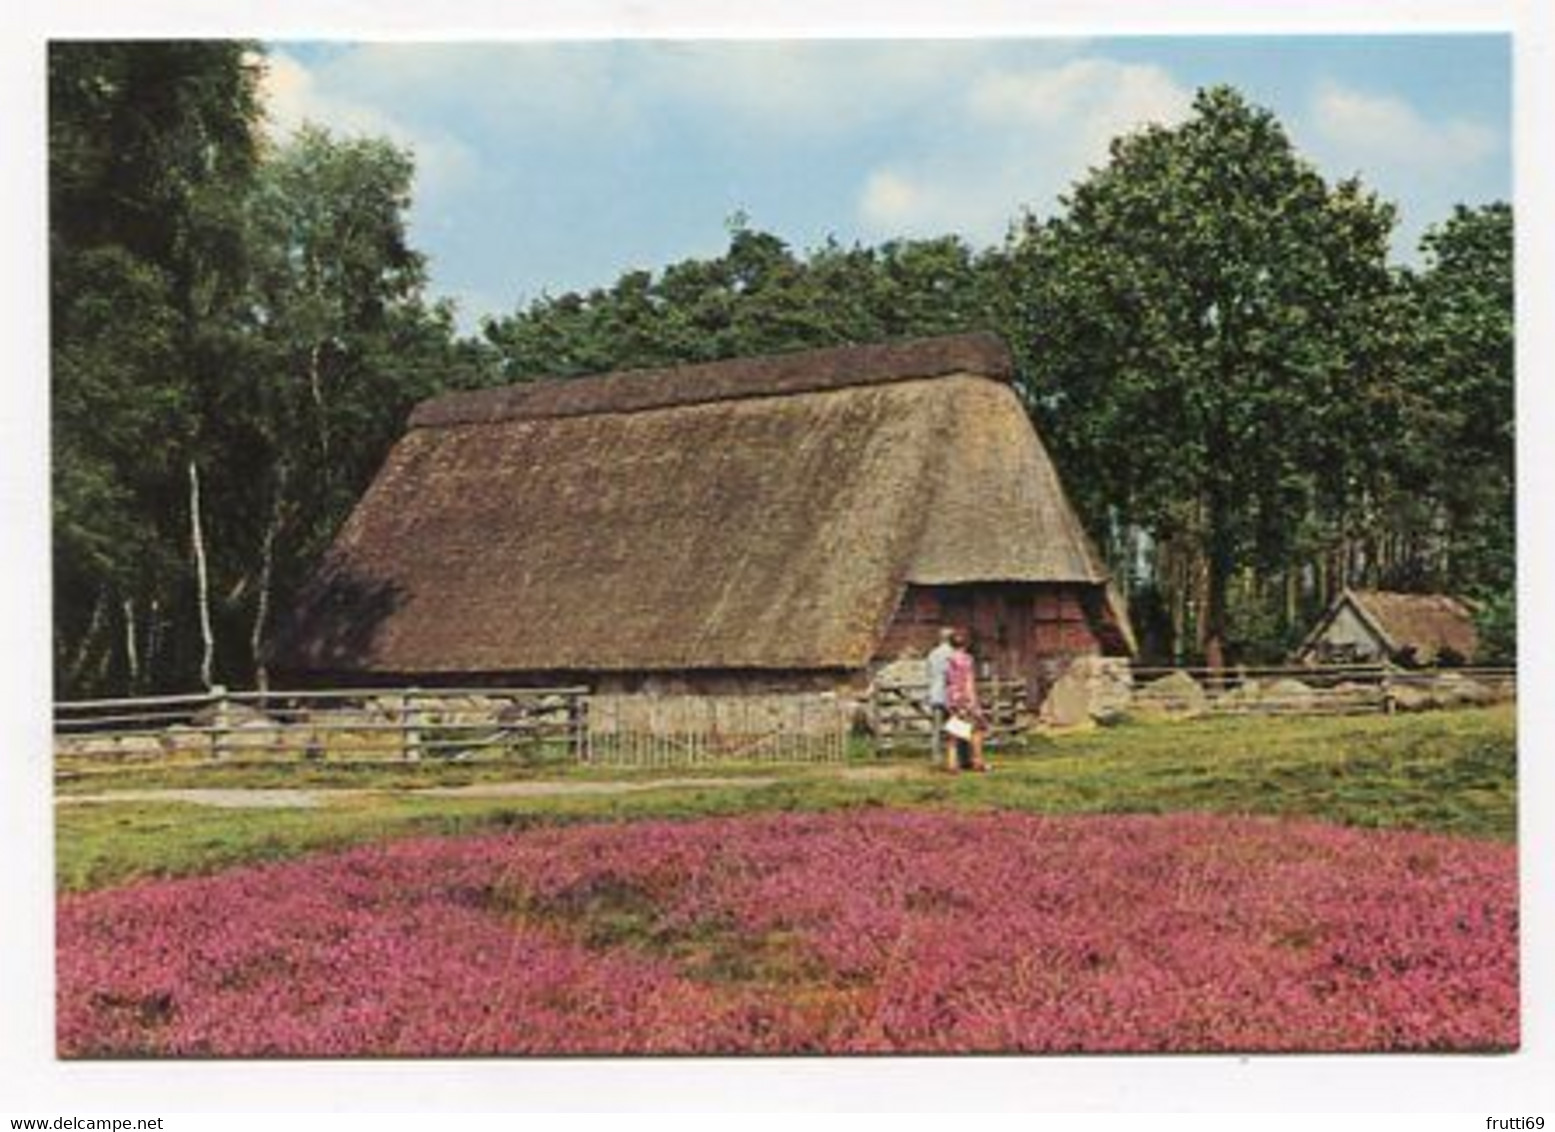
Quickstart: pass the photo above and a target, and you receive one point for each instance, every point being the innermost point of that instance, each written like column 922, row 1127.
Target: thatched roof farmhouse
column 792, row 519
column 1378, row 625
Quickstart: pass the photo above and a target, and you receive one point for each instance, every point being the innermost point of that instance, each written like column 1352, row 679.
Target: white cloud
column 935, row 195
column 815, row 86
column 562, row 85
column 800, row 86
column 1024, row 136
column 569, row 97
column 291, row 99
column 890, row 199
column 292, row 96
column 1372, row 128
column 556, row 88
column 1093, row 94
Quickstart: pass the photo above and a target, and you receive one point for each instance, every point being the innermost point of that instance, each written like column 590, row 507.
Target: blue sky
column 553, row 166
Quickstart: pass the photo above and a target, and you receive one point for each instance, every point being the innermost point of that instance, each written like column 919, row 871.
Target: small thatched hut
column 1365, row 626
column 779, row 522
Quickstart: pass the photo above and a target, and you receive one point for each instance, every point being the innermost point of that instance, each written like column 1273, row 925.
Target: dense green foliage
column 150, row 148
column 238, row 331
column 1250, row 405
column 1207, row 281
column 1261, row 409
column 758, row 297
column 1449, row 771
column 1461, row 360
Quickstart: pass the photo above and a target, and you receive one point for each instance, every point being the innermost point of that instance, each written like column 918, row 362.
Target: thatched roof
column 776, row 375
column 763, row 513
column 1424, row 626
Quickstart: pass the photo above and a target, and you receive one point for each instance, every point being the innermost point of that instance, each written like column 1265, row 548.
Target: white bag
column 958, row 728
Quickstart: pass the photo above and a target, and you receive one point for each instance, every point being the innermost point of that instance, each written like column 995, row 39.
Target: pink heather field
column 857, row 931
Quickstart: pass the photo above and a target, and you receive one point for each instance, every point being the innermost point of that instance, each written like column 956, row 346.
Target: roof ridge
column 773, row 375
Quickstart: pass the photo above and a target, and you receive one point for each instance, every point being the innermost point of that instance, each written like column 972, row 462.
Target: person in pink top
column 961, row 697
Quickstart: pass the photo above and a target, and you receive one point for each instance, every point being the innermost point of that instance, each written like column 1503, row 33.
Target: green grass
column 100, row 775
column 91, row 776
column 1453, row 772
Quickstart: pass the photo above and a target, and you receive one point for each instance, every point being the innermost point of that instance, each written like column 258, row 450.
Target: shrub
column 856, row 931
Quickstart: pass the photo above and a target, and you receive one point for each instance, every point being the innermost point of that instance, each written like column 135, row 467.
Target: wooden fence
column 634, row 730
column 1320, row 690
column 377, row 725
column 360, row 724
column 899, row 714
column 409, row 724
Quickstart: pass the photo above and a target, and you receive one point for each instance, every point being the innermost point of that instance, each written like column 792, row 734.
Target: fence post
column 410, row 727
column 221, row 721
column 1389, row 703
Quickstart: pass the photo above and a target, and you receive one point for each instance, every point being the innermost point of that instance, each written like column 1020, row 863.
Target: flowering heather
column 863, row 931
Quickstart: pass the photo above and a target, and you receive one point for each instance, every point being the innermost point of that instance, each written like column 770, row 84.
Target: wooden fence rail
column 1318, row 690
column 361, row 724
column 407, row 724
column 899, row 714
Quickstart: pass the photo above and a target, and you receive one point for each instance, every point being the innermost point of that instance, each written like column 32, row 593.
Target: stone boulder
column 1176, row 694
column 1412, row 697
column 182, row 739
column 1448, row 690
column 1288, row 694
column 1091, row 689
column 237, row 715
column 1502, row 688
column 1454, row 690
column 1246, row 696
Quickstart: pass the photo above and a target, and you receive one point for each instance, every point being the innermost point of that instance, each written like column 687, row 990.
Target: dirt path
column 229, row 799
column 266, row 798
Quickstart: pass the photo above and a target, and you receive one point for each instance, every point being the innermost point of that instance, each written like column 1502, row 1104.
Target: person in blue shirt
column 936, row 665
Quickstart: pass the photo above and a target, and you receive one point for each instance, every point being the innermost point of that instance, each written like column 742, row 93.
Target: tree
column 151, row 147
column 758, row 297
column 342, row 344
column 238, row 331
column 1462, row 363
column 1192, row 337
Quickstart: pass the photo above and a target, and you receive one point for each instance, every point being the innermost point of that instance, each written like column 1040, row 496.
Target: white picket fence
column 634, row 730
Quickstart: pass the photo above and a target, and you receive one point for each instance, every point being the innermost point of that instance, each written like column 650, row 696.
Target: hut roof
column 1425, row 625
column 762, row 513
